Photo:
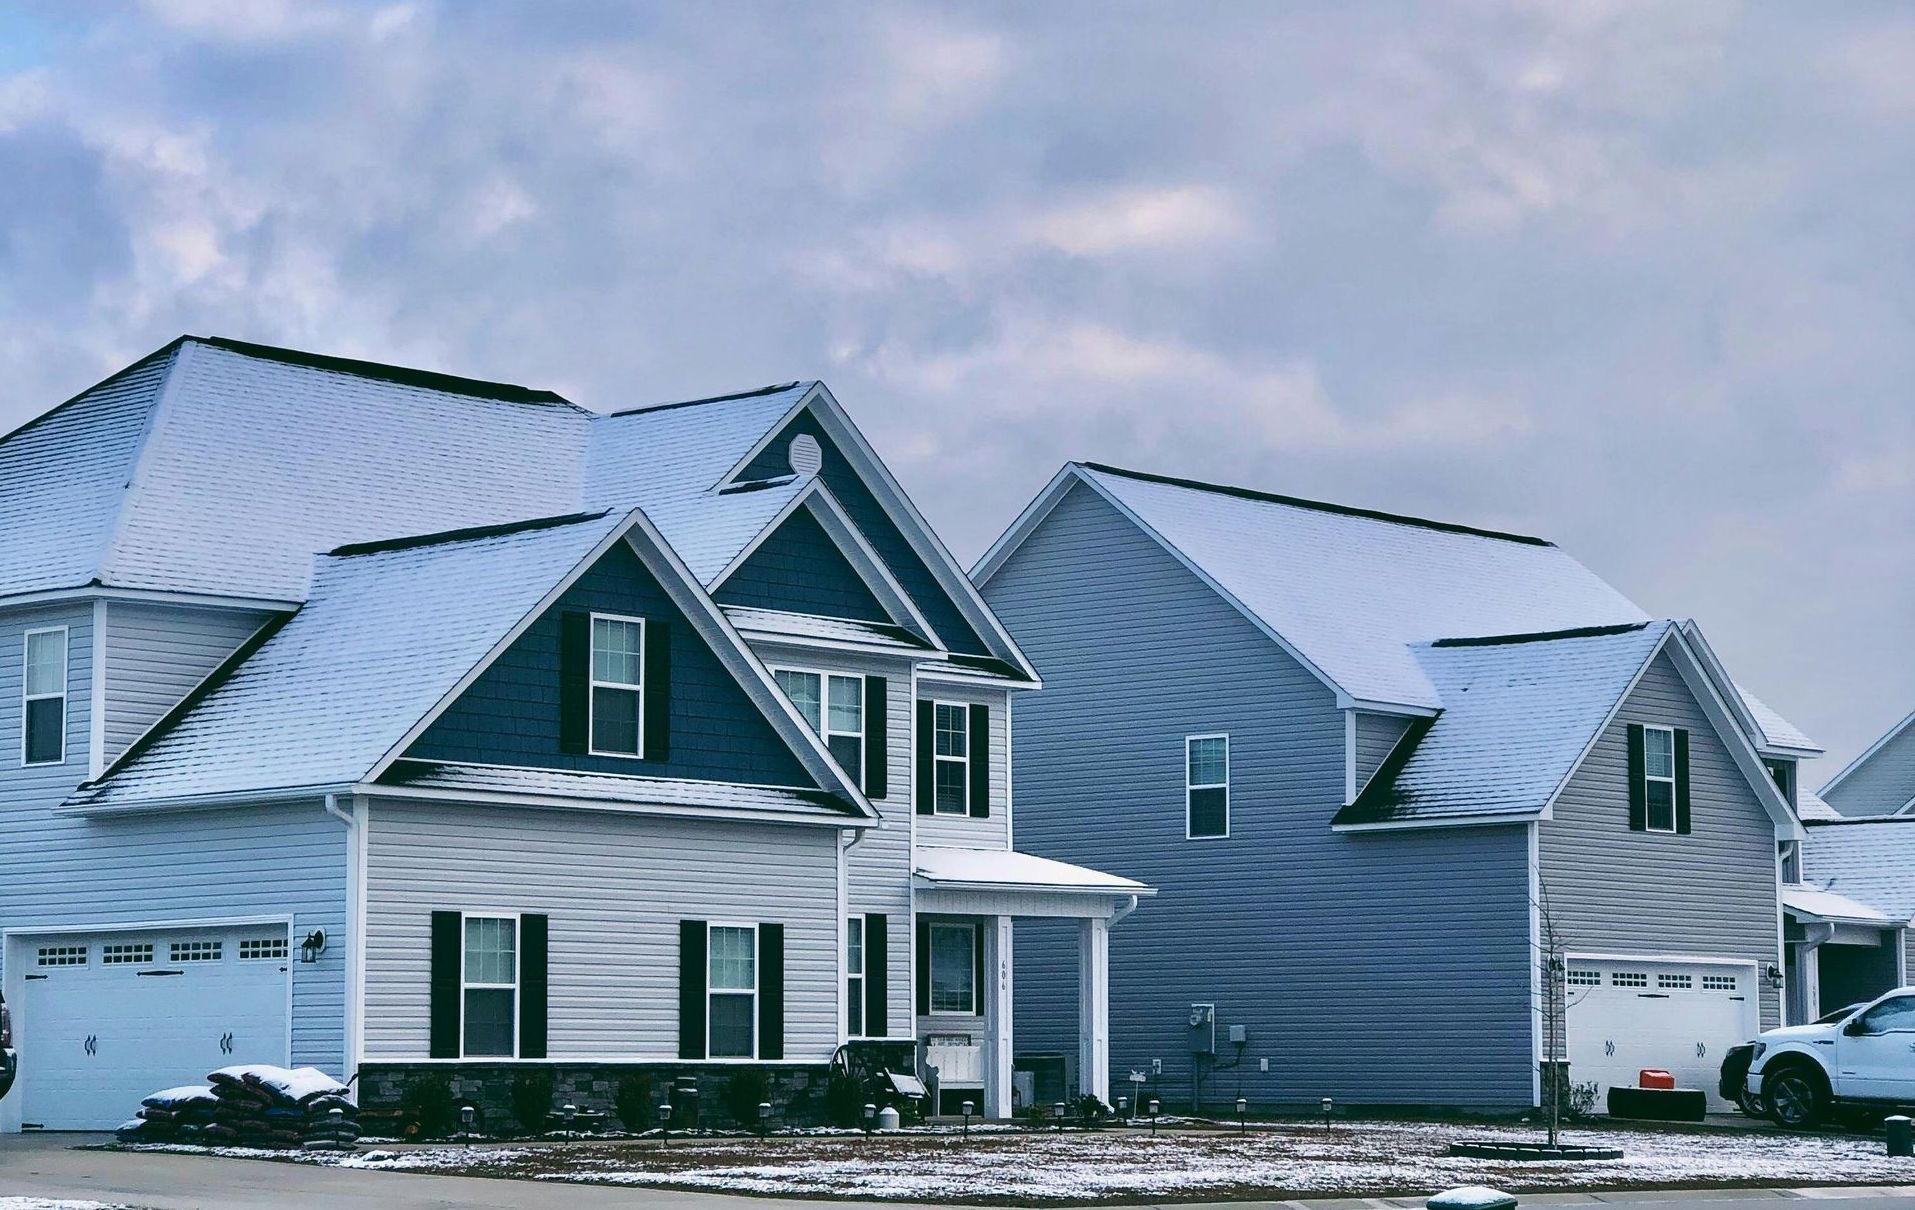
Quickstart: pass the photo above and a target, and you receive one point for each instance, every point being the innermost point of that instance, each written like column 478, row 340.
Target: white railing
column 959, row 1064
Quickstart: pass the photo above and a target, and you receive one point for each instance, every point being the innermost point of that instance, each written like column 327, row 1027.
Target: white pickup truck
column 1862, row 1058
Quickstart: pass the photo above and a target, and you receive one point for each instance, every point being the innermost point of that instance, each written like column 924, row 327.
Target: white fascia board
column 1026, row 522
column 1867, row 754
column 1706, row 655
column 920, row 882
column 1446, row 821
column 1784, row 752
column 916, row 530
column 1703, row 687
column 798, row 642
column 208, row 802
column 144, row 926
column 982, row 680
column 1369, row 706
column 156, row 596
column 1344, row 700
column 553, row 802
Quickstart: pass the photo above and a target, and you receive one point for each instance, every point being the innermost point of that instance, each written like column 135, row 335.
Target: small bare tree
column 1553, row 983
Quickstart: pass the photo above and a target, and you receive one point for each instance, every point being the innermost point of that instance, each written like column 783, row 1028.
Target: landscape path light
column 1242, row 1107
column 1153, row 1117
column 665, row 1124
column 870, row 1117
column 1329, row 1107
column 969, row 1106
column 466, row 1114
column 571, row 1114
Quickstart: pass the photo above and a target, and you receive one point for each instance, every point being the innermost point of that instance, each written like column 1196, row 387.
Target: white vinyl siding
column 964, row 829
column 617, row 724
column 157, row 654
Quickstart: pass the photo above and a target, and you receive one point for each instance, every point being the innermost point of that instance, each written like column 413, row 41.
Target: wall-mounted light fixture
column 312, row 946
column 1774, row 976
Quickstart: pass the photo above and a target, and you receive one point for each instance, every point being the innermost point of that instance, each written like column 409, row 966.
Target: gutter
column 1122, row 912
column 208, row 802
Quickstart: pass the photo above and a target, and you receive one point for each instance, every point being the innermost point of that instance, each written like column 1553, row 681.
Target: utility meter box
column 1239, row 1035
column 1203, row 1029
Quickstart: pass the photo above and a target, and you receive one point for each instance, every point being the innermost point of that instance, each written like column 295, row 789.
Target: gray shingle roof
column 1870, row 860
column 1517, row 717
column 613, row 788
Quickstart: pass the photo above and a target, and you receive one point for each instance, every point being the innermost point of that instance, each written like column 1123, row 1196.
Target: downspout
column 332, row 809
column 1122, row 911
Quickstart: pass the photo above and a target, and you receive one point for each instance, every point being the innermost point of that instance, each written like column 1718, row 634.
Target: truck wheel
column 1798, row 1095
column 1752, row 1104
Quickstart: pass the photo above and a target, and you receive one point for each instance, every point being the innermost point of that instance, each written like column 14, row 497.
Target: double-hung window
column 1206, row 786
column 953, row 968
column 1659, row 778
column 491, row 986
column 834, row 706
column 618, row 685
column 43, row 711
column 951, row 757
column 732, row 985
column 854, row 976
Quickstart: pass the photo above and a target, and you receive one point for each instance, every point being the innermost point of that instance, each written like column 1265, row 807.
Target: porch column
column 997, row 1015
column 1093, row 1008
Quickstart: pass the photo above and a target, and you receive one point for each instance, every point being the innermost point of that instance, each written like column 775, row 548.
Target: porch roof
column 956, row 869
column 1810, row 901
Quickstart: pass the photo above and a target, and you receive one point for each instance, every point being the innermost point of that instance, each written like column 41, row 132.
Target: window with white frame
column 854, row 976
column 43, row 692
column 834, row 706
column 261, row 948
column 1659, row 778
column 951, row 758
column 1206, row 786
column 195, row 951
column 491, row 986
column 1628, row 979
column 733, row 988
column 618, row 685
column 1675, row 983
column 62, row 955
column 1580, row 977
column 953, row 968
column 1718, row 983
column 126, row 953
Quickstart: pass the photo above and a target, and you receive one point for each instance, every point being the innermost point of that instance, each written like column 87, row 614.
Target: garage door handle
column 92, row 1044
column 226, row 1044
column 1702, row 1051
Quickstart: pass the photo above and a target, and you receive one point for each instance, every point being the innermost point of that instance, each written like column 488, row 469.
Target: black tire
column 1752, row 1104
column 1797, row 1095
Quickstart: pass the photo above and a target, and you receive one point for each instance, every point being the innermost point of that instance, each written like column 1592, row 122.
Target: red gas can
column 1654, row 1077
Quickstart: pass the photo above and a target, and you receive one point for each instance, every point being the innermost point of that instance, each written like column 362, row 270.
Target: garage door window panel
column 491, row 987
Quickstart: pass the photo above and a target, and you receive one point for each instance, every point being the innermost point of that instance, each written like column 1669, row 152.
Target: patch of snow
column 48, row 1203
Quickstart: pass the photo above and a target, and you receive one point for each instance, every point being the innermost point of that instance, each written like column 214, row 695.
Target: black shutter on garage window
column 771, row 991
column 575, row 680
column 658, row 690
column 533, row 961
column 977, row 967
column 1682, row 782
column 877, row 975
column 927, row 761
column 980, row 750
column 924, row 966
column 877, row 752
column 1638, row 792
column 691, row 989
column 448, row 952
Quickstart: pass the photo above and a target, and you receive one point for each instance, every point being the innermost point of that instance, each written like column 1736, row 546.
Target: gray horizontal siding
column 615, row 887
column 1881, row 785
column 61, row 872
column 1361, row 965
column 1376, row 735
column 156, row 654
column 994, row 830
column 1710, row 894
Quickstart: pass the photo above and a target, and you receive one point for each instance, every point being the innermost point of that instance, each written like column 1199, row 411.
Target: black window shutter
column 927, row 782
column 1682, row 781
column 877, row 975
column 533, row 962
column 771, row 991
column 691, row 989
column 1638, row 792
column 977, row 966
column 448, row 953
column 575, row 680
column 980, row 750
column 877, row 752
column 658, row 690
column 924, row 966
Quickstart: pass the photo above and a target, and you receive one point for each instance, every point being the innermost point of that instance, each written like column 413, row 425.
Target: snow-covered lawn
column 1366, row 1158
column 42, row 1203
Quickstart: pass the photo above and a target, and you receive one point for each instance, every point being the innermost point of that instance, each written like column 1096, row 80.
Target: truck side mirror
column 1856, row 1028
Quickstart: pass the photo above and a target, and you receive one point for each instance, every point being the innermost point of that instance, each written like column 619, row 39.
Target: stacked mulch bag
column 253, row 1105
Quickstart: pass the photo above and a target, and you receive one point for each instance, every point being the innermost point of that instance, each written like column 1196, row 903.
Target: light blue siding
column 63, row 872
column 157, row 654
column 1376, row 735
column 1362, row 966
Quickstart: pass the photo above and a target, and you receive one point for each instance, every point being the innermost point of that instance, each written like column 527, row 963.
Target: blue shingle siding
column 877, row 527
column 64, row 872
column 800, row 569
column 510, row 714
column 1362, row 965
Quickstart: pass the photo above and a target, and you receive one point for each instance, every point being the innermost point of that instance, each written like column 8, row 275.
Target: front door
column 1877, row 1059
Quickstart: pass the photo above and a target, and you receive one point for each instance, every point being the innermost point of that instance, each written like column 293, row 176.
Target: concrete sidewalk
column 49, row 1166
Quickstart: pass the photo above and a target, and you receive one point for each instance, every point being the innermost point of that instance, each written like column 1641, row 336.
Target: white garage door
column 1682, row 1017
column 106, row 1018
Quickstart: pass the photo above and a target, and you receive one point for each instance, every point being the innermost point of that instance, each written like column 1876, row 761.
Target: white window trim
column 66, row 666
column 825, row 731
column 593, row 685
column 859, row 973
column 757, row 977
column 518, row 960
column 1648, row 779
column 964, row 805
column 970, row 941
column 1224, row 785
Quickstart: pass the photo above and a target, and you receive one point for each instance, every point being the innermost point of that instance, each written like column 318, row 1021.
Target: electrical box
column 1203, row 1029
column 1239, row 1035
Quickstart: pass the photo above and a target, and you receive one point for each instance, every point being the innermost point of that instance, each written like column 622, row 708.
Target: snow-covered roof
column 1869, row 860
column 516, row 781
column 953, row 867
column 775, row 624
column 1810, row 805
column 383, row 638
column 1777, row 732
column 1827, row 905
column 1518, row 716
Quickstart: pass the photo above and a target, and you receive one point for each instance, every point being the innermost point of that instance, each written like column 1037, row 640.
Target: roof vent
column 806, row 458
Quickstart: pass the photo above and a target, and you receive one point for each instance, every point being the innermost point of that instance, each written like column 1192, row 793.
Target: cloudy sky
column 1639, row 278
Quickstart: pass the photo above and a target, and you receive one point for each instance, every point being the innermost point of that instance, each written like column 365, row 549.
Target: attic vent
column 806, row 458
